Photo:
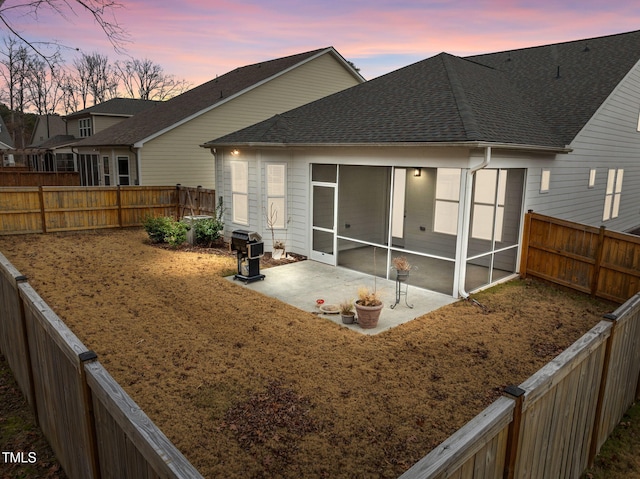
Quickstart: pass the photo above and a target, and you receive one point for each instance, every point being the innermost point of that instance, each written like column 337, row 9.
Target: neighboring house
column 161, row 146
column 6, row 145
column 439, row 161
column 53, row 141
column 92, row 121
column 43, row 159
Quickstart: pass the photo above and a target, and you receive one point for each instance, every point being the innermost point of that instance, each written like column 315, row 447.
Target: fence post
column 598, row 260
column 178, row 202
column 593, row 447
column 524, row 251
column 89, row 357
column 198, row 193
column 43, row 216
column 25, row 335
column 513, row 435
column 119, row 202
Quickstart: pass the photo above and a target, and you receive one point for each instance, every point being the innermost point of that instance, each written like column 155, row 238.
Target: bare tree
column 96, row 78
column 102, row 12
column 15, row 70
column 147, row 80
column 43, row 84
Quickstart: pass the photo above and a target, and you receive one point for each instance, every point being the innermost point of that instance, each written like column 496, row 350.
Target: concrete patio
column 300, row 284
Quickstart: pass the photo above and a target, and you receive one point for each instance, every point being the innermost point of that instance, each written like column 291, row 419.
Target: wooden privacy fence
column 554, row 423
column 593, row 260
column 10, row 177
column 56, row 209
column 95, row 429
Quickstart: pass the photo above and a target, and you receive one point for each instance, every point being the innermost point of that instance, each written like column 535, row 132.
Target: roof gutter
column 463, row 237
column 448, row 144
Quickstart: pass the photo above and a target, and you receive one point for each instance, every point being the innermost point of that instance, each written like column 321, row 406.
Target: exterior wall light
column 417, row 172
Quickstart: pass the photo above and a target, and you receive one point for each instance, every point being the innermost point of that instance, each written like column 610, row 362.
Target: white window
column 592, row 177
column 488, row 204
column 545, row 180
column 84, row 126
column 276, row 195
column 240, row 192
column 612, row 194
column 447, row 198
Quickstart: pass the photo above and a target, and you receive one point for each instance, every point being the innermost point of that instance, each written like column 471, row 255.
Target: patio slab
column 300, row 284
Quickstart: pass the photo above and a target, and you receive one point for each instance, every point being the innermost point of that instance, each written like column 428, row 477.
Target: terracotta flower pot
column 368, row 315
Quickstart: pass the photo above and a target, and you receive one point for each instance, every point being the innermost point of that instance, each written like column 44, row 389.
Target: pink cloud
column 197, row 39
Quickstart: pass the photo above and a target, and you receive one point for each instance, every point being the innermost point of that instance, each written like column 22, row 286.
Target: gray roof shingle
column 508, row 97
column 116, row 106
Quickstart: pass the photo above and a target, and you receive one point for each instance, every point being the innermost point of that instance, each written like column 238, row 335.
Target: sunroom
column 364, row 216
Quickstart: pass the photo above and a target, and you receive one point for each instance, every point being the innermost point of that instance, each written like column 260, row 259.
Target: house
column 6, row 145
column 44, row 159
column 53, row 140
column 161, row 146
column 438, row 161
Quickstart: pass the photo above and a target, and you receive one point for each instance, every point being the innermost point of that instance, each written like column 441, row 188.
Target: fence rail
column 592, row 260
column 55, row 209
column 554, row 423
column 95, row 429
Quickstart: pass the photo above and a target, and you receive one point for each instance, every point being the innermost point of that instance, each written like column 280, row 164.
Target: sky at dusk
column 199, row 39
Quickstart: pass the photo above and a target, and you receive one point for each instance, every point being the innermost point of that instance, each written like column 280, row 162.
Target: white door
column 323, row 226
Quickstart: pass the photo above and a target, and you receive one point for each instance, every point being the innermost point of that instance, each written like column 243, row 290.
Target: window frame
column 495, row 208
column 123, row 175
column 545, row 180
column 239, row 192
column 446, row 202
column 613, row 194
column 84, row 127
column 277, row 193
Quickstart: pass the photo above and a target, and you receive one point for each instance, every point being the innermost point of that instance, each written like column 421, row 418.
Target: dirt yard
column 249, row 387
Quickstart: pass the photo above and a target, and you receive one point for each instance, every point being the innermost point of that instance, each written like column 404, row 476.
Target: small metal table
column 402, row 288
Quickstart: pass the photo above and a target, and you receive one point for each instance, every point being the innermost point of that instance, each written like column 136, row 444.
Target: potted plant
column 347, row 312
column 402, row 267
column 368, row 306
column 278, row 250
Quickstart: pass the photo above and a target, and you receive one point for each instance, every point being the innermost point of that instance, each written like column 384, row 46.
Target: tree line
column 33, row 83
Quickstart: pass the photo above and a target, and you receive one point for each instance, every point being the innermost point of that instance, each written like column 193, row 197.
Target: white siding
column 610, row 140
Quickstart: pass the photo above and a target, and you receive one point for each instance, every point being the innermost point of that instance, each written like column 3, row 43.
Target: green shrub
column 208, row 231
column 163, row 229
column 176, row 234
column 157, row 227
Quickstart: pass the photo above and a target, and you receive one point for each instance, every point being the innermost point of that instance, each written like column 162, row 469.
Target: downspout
column 136, row 152
column 466, row 220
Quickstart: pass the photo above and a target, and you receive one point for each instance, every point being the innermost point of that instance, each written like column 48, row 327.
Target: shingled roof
column 193, row 102
column 514, row 97
column 116, row 106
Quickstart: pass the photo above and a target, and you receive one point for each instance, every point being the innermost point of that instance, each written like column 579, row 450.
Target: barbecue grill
column 249, row 248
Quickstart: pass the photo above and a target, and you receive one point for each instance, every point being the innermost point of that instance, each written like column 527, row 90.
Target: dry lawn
column 248, row 387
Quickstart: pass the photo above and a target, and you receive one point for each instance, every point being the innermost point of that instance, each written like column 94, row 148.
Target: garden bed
column 246, row 386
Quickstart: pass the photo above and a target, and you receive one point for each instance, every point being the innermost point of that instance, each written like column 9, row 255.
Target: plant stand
column 402, row 288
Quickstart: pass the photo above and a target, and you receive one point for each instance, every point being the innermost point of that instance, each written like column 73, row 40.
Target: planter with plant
column 402, row 267
column 346, row 311
column 368, row 306
column 277, row 248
